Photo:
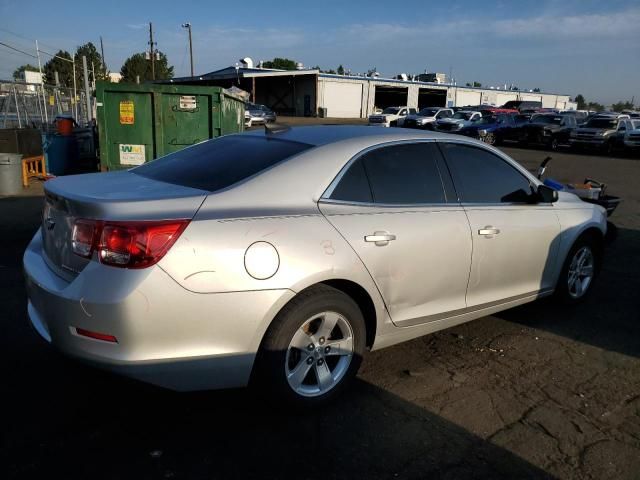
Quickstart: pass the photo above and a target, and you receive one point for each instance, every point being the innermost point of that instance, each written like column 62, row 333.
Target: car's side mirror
column 547, row 194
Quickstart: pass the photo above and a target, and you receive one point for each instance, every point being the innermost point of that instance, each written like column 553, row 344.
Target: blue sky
column 562, row 46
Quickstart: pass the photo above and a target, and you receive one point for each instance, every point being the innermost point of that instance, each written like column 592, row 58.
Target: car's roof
column 325, row 134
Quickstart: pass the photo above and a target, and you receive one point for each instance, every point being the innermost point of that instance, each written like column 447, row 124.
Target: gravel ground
column 539, row 391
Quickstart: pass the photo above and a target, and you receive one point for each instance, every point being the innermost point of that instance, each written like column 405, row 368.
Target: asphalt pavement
column 539, row 391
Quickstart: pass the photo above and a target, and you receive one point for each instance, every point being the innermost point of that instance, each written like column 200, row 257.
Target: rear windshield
column 547, row 120
column 217, row 164
column 601, row 123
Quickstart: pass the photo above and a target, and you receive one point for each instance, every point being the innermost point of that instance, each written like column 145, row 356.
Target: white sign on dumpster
column 188, row 102
column 131, row 154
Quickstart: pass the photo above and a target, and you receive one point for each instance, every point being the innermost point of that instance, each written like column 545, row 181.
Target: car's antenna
column 275, row 128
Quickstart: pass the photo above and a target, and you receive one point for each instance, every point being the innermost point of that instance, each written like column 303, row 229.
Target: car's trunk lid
column 107, row 196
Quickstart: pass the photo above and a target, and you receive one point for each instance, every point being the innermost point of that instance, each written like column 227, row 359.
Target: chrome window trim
column 329, row 190
column 389, row 205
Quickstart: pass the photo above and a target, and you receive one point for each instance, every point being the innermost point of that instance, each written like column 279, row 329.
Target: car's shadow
column 70, row 421
column 610, row 317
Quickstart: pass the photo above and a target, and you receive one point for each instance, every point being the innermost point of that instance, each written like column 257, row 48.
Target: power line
column 27, row 38
column 18, row 50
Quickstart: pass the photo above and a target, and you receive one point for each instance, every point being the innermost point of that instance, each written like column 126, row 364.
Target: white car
column 278, row 258
column 391, row 116
column 460, row 119
column 426, row 117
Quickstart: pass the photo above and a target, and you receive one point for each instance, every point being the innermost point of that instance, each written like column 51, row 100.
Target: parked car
column 269, row 115
column 523, row 105
column 550, row 130
column 199, row 270
column 426, row 117
column 604, row 132
column 460, row 119
column 632, row 113
column 256, row 115
column 492, row 129
column 488, row 111
column 632, row 136
column 581, row 116
column 391, row 116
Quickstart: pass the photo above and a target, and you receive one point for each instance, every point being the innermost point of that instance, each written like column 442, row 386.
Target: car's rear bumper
column 166, row 335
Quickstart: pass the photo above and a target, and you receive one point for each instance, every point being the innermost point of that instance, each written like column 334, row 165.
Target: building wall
column 333, row 96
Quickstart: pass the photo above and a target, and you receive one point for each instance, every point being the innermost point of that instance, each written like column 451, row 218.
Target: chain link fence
column 35, row 105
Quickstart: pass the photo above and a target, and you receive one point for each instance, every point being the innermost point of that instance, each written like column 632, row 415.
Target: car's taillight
column 84, row 237
column 126, row 244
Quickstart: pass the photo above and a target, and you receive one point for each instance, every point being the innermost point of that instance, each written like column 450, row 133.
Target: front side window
column 396, row 174
column 482, row 177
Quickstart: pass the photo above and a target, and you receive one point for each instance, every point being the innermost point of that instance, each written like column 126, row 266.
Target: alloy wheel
column 319, row 354
column 489, row 138
column 581, row 271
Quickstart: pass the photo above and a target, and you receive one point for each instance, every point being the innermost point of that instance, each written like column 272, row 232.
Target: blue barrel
column 61, row 153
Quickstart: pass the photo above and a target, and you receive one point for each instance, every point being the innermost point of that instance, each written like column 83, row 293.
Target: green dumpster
column 137, row 123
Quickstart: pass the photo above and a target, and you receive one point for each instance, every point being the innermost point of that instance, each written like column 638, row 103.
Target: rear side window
column 397, row 174
column 220, row 163
column 354, row 185
column 482, row 177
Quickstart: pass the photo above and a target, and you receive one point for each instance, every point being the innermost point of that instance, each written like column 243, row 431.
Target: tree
column 280, row 64
column 63, row 67
column 536, row 90
column 582, row 103
column 372, row 71
column 90, row 51
column 317, row 67
column 594, row 106
column 622, row 105
column 17, row 73
column 138, row 65
column 340, row 70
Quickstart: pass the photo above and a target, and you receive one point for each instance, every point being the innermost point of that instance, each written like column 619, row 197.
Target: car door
column 506, row 130
column 515, row 242
column 618, row 137
column 395, row 206
column 568, row 125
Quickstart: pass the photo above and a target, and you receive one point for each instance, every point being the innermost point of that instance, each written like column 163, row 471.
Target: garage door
column 343, row 100
column 464, row 98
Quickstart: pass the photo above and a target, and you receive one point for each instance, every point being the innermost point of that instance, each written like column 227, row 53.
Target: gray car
column 278, row 259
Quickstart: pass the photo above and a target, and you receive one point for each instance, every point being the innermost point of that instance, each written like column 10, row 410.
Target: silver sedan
column 278, row 259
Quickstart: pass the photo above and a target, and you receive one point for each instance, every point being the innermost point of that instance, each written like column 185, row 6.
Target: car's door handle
column 380, row 238
column 488, row 231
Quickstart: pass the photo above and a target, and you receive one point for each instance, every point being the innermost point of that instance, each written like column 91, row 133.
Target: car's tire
column 580, row 269
column 489, row 138
column 299, row 363
column 554, row 144
column 610, row 149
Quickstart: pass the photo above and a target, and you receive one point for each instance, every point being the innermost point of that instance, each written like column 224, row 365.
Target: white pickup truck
column 391, row 116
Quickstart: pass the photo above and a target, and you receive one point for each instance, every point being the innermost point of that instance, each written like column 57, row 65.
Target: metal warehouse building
column 311, row 93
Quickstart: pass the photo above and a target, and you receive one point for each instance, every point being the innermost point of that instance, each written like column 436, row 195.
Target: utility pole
column 188, row 26
column 87, row 92
column 152, row 54
column 104, row 63
column 44, row 102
